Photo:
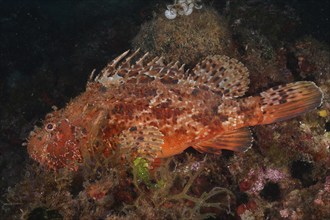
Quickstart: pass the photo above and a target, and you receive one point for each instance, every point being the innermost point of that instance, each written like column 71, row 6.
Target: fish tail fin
column 290, row 100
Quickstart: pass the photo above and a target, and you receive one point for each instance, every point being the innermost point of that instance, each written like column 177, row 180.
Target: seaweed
column 173, row 190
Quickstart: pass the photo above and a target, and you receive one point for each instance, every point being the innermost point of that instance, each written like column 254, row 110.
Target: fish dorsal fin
column 221, row 74
column 234, row 140
column 120, row 70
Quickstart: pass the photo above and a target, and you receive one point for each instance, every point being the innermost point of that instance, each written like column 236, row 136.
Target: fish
column 156, row 110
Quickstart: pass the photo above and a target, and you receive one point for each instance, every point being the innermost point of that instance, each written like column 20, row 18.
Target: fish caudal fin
column 235, row 140
column 290, row 100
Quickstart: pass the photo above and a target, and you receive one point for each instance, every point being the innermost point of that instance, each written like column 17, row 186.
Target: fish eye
column 50, row 127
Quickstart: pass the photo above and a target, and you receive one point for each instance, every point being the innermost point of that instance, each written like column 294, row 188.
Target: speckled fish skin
column 157, row 110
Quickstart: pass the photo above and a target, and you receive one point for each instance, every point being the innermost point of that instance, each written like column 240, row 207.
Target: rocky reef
column 186, row 39
column 285, row 175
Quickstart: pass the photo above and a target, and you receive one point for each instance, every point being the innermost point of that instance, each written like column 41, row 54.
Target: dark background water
column 314, row 15
column 48, row 49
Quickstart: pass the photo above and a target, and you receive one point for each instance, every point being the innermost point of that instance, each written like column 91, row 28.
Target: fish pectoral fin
column 235, row 140
column 142, row 141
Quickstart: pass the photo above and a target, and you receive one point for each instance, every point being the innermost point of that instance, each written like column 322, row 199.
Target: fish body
column 155, row 110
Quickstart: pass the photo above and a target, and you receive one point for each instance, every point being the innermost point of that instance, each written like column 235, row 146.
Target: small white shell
column 170, row 14
column 189, row 9
column 184, row 8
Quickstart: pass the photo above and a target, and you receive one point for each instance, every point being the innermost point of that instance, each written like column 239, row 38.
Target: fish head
column 56, row 144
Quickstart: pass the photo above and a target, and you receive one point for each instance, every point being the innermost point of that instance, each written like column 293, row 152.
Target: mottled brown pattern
column 163, row 110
